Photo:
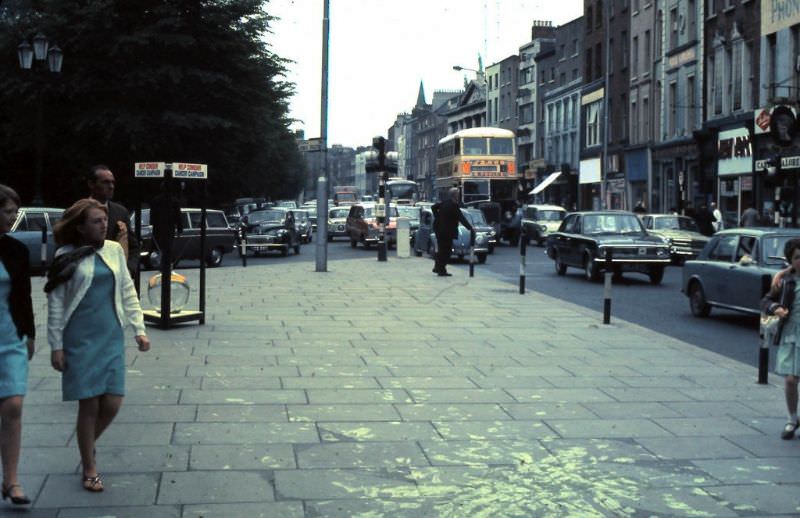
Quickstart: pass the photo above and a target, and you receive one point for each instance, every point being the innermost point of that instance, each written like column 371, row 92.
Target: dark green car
column 735, row 269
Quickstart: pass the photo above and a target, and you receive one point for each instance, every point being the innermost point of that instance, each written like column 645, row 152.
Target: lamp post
column 54, row 57
column 480, row 74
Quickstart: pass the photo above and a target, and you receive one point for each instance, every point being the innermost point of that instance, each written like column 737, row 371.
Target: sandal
column 789, row 430
column 16, row 500
column 93, row 484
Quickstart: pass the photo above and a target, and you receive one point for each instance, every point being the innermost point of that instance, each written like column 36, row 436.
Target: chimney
column 542, row 29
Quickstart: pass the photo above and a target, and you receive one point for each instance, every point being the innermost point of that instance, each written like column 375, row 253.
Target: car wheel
column 656, row 274
column 491, row 249
column 591, row 270
column 214, row 258
column 364, row 241
column 561, row 268
column 482, row 258
column 540, row 242
column 330, row 239
column 697, row 301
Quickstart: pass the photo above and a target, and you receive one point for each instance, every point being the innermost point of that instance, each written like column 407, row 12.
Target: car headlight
column 662, row 252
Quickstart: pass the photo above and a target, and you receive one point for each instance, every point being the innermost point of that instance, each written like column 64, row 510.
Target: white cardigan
column 65, row 298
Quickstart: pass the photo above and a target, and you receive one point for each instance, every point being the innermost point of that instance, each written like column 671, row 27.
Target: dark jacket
column 117, row 213
column 448, row 214
column 14, row 256
column 780, row 295
column 704, row 219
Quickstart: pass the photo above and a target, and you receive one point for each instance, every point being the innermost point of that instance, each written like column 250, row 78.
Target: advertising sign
column 149, row 169
column 190, row 171
column 734, row 152
column 778, row 14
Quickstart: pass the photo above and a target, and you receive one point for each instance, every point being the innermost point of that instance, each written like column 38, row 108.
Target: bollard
column 243, row 245
column 763, row 360
column 403, row 245
column 472, row 253
column 43, row 253
column 607, row 288
column 523, row 250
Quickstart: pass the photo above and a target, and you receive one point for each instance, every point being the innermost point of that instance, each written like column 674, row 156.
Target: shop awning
column 547, row 181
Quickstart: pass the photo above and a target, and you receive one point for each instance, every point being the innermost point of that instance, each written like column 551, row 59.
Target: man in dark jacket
column 448, row 215
column 101, row 188
column 705, row 220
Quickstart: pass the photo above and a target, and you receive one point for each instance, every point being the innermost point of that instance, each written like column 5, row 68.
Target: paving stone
column 334, row 382
column 349, row 396
column 153, row 511
column 244, row 457
column 260, row 510
column 134, row 434
column 631, row 410
column 396, row 508
column 427, row 382
column 584, row 381
column 752, row 470
column 46, row 435
column 415, row 371
column 50, row 460
column 452, row 411
column 343, row 370
column 607, row 428
column 460, row 396
column 766, row 446
column 241, row 413
column 376, row 431
column 317, row 484
column 230, row 371
column 141, row 459
column 753, row 499
column 242, row 397
column 700, row 426
column 359, row 455
column 363, row 412
column 244, row 433
column 482, row 453
column 589, row 451
column 61, row 413
column 155, row 413
column 121, row 489
column 692, row 447
column 642, row 395
column 557, row 395
column 530, row 411
column 713, row 409
column 238, row 382
column 196, row 487
column 493, row 430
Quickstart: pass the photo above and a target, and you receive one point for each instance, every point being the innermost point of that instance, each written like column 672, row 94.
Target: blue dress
column 94, row 349
column 787, row 359
column 13, row 351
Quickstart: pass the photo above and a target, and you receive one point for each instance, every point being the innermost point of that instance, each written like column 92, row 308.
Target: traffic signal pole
column 322, row 180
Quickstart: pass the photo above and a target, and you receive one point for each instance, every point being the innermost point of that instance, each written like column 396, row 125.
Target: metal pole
column 523, row 250
column 604, row 163
column 243, row 243
column 203, row 241
column 607, row 288
column 322, row 180
column 763, row 360
column 472, row 253
column 166, row 253
column 43, row 252
column 382, row 200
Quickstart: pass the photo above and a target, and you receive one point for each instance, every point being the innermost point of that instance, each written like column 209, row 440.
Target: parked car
column 583, row 238
column 480, row 225
column 220, row 238
column 426, row 239
column 28, row 229
column 272, row 229
column 685, row 240
column 735, row 269
column 539, row 221
column 411, row 213
column 337, row 218
column 303, row 223
column 362, row 225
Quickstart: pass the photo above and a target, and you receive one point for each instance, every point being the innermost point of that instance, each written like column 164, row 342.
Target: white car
column 538, row 221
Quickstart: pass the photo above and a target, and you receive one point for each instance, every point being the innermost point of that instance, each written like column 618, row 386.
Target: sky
column 380, row 50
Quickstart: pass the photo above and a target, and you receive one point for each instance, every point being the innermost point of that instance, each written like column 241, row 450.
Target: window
column 634, row 123
column 711, row 8
column 771, row 64
column 588, row 66
column 671, row 101
column 599, row 14
column 624, row 49
column 575, row 48
column 635, row 5
column 624, row 122
column 592, row 125
column 635, row 56
column 673, row 28
column 717, row 82
column 724, row 248
column 690, row 107
column 215, row 220
column 610, row 63
column 692, row 12
column 598, row 60
column 748, row 245
column 737, row 75
column 648, row 59
column 646, row 119
column 32, row 222
column 659, row 33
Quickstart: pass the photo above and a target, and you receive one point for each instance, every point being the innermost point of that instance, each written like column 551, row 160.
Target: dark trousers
column 444, row 249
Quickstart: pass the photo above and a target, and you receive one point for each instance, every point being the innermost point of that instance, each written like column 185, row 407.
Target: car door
column 559, row 238
column 187, row 244
column 716, row 271
column 218, row 233
column 746, row 277
column 424, row 232
column 573, row 246
column 35, row 221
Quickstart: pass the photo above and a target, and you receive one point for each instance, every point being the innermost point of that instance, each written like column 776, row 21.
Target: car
column 303, row 222
column 480, row 225
column 426, row 239
column 362, row 225
column 337, row 218
column 273, row 229
column 411, row 213
column 538, row 221
column 286, row 204
column 27, row 228
column 685, row 240
column 583, row 238
column 734, row 269
column 220, row 238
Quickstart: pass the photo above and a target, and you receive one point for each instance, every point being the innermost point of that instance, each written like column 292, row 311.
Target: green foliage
column 151, row 80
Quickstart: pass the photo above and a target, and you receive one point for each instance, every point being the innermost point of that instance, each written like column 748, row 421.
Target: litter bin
column 403, row 237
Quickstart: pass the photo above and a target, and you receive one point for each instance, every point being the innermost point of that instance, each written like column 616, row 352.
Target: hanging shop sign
column 734, row 152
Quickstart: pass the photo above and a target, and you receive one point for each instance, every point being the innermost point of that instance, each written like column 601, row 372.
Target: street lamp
column 54, row 58
column 459, row 68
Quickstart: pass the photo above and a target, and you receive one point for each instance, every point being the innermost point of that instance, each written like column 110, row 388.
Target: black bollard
column 523, row 250
column 43, row 254
column 472, row 253
column 607, row 288
column 763, row 359
column 243, row 244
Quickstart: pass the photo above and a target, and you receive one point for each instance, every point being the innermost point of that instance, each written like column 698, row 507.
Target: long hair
column 8, row 194
column 66, row 230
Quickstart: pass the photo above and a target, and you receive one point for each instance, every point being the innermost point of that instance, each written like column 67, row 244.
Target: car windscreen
column 611, row 224
column 369, row 212
column 476, row 217
column 408, row 212
column 266, row 216
column 772, row 249
column 550, row 215
column 338, row 213
column 301, row 215
column 675, row 223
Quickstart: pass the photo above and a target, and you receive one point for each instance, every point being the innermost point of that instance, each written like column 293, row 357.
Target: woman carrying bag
column 782, row 301
column 90, row 299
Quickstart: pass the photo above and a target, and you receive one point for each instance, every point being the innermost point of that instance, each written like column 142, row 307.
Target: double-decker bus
column 402, row 191
column 481, row 163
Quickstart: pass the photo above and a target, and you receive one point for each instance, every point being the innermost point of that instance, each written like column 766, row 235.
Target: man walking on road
column 101, row 188
column 448, row 215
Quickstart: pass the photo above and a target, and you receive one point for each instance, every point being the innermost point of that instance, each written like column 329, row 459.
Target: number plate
column 643, row 251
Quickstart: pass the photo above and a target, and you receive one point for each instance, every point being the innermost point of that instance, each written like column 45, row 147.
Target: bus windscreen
column 473, row 146
column 501, row 146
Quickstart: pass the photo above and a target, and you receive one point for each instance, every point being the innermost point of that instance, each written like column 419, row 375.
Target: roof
column 760, row 231
column 479, row 132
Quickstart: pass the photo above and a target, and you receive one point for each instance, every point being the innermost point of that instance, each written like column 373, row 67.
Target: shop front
column 589, row 184
column 734, row 174
column 637, row 166
column 676, row 183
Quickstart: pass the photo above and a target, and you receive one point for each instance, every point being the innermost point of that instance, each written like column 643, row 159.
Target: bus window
column 474, row 146
column 501, row 146
column 476, row 190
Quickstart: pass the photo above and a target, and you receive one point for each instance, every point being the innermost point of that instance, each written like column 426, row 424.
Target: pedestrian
column 639, row 208
column 101, row 188
column 17, row 333
column 750, row 217
column 447, row 215
column 781, row 300
column 704, row 220
column 90, row 298
column 718, row 223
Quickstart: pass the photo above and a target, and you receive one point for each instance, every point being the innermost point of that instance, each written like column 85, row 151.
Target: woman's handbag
column 768, row 327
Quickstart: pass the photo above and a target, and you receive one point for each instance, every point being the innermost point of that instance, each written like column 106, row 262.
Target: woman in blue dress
column 783, row 300
column 16, row 343
column 90, row 299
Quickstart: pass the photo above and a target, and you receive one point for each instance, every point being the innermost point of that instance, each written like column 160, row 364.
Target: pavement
column 380, row 389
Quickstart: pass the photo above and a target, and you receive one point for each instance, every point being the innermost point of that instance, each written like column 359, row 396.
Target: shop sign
column 734, row 152
column 787, row 162
column 778, row 14
column 682, row 57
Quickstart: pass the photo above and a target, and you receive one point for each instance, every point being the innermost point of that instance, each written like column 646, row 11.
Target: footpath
column 380, row 389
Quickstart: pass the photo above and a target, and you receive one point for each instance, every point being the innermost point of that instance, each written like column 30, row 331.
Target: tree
column 180, row 80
